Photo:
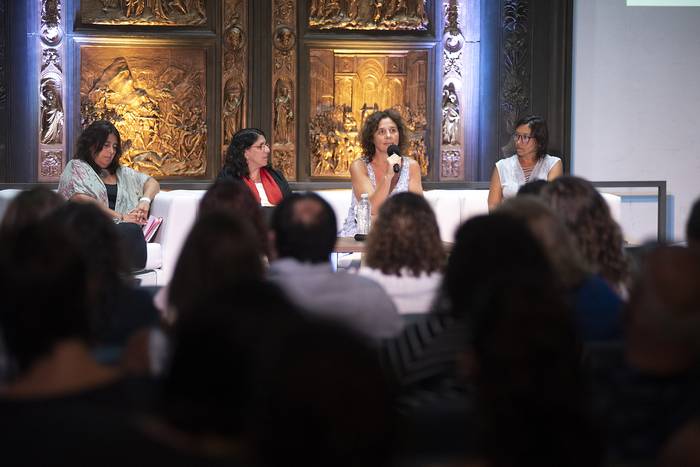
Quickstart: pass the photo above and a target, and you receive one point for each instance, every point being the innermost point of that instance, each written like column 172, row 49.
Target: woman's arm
column 150, row 189
column 495, row 190
column 361, row 184
column 557, row 170
column 83, row 198
column 414, row 177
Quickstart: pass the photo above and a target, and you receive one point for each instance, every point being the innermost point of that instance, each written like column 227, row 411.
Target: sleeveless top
column 512, row 176
column 350, row 226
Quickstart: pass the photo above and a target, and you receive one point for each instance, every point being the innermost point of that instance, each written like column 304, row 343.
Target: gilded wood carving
column 347, row 87
column 51, row 93
column 284, row 79
column 144, row 12
column 156, row 97
column 382, row 15
column 235, row 68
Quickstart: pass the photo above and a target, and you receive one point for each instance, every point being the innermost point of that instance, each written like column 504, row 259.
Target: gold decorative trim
column 51, row 157
column 284, row 87
column 235, row 69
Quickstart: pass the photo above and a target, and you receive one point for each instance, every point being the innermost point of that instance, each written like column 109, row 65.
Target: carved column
column 52, row 153
column 235, row 69
column 452, row 109
column 284, row 89
column 515, row 87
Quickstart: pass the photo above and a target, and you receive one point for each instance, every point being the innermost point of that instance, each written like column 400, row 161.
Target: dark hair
column 505, row 250
column 586, row 214
column 220, row 251
column 237, row 330
column 235, row 154
column 91, row 141
column 692, row 228
column 234, row 196
column 42, row 282
column 538, row 130
column 533, row 188
column 305, row 228
column 405, row 235
column 30, row 206
column 370, row 127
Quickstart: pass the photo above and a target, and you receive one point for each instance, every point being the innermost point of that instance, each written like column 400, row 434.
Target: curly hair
column 598, row 237
column 405, row 236
column 235, row 154
column 91, row 141
column 538, row 130
column 370, row 127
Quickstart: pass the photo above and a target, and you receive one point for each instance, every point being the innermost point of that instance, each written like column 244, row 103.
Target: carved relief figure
column 51, row 112
column 377, row 6
column 353, row 9
column 134, row 7
column 233, row 99
column 284, row 113
column 450, row 115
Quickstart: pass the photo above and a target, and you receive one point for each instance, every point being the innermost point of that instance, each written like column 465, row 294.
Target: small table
column 349, row 245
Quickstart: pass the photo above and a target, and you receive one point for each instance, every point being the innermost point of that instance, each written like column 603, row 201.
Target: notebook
column 151, row 227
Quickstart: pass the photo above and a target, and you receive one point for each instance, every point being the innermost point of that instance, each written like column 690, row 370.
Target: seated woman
column 95, row 175
column 405, row 253
column 374, row 172
column 248, row 160
column 530, row 161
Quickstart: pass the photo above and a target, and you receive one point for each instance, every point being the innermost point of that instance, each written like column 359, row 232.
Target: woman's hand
column 393, row 160
column 136, row 216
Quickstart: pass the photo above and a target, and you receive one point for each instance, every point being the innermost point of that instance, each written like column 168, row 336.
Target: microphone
column 391, row 150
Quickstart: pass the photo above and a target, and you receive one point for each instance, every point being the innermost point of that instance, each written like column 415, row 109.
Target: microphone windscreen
column 393, row 149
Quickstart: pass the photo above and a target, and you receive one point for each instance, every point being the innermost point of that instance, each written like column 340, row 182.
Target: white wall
column 636, row 101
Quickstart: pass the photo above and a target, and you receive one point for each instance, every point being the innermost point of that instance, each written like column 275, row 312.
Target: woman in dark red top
column 248, row 160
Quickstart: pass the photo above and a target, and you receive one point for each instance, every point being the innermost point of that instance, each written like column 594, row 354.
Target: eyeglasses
column 261, row 145
column 522, row 138
column 384, row 131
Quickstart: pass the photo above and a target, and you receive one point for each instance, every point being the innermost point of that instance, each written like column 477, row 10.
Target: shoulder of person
column 359, row 164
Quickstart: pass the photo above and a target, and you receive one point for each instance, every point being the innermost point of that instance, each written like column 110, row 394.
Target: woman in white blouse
column 530, row 161
column 404, row 252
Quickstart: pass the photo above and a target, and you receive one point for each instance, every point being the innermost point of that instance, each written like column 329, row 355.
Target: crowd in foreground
column 535, row 339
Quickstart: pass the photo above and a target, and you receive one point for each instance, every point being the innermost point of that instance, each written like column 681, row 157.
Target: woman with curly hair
column 248, row 160
column 375, row 172
column 404, row 252
column 598, row 237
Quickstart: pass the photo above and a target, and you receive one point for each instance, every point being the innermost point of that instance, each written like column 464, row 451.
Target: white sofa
column 178, row 208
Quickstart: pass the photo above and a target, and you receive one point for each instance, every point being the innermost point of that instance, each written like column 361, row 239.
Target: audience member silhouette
column 597, row 307
column 650, row 391
column 598, row 237
column 303, row 236
column 404, row 252
column 692, row 228
column 119, row 308
column 533, row 188
column 30, row 206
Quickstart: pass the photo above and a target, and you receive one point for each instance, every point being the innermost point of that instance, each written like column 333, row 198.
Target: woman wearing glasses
column 530, row 161
column 248, row 160
column 373, row 173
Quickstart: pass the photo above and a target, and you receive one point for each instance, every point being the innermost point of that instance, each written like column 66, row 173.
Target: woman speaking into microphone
column 381, row 171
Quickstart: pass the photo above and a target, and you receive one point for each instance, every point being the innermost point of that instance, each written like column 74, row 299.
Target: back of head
column 220, row 251
column 663, row 313
column 530, row 385
column 492, row 249
column 556, row 240
column 533, row 188
column 234, row 197
column 692, row 228
column 304, row 227
column 30, row 206
column 585, row 212
column 239, row 332
column 405, row 236
column 42, row 282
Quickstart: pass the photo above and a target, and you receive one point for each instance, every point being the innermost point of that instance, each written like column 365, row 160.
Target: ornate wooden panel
column 156, row 97
column 144, row 12
column 3, row 86
column 284, row 87
column 378, row 15
column 235, row 43
column 52, row 119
